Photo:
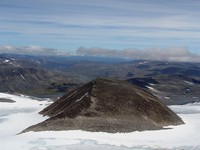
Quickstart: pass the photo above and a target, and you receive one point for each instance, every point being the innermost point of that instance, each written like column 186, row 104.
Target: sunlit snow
column 14, row 117
column 6, row 61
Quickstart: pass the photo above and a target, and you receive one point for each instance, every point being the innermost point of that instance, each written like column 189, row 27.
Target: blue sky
column 110, row 24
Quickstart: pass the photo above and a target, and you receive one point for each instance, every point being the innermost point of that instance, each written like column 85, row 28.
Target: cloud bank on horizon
column 175, row 54
column 32, row 50
column 113, row 24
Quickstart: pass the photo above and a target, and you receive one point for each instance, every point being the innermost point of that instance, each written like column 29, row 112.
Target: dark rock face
column 36, row 82
column 6, row 100
column 142, row 82
column 109, row 106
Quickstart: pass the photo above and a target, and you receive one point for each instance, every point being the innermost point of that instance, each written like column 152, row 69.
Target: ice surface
column 152, row 89
column 22, row 77
column 14, row 117
column 5, row 61
column 17, row 116
column 82, row 97
column 190, row 83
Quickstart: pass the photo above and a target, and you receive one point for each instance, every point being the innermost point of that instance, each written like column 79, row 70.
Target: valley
column 173, row 82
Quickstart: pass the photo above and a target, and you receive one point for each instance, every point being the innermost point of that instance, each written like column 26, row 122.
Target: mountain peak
column 107, row 105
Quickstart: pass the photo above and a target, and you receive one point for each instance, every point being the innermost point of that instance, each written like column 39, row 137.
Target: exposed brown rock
column 109, row 106
column 6, row 100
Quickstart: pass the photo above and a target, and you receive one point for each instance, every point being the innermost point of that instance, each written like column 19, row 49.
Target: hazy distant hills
column 28, row 75
column 173, row 82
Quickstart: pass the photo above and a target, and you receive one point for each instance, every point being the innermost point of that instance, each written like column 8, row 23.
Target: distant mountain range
column 173, row 82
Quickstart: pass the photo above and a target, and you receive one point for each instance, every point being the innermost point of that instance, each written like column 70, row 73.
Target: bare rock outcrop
column 107, row 105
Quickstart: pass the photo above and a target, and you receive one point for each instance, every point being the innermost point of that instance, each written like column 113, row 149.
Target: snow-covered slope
column 19, row 114
column 14, row 117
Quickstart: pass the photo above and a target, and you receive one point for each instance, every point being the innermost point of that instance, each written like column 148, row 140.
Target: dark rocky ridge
column 109, row 106
column 6, row 100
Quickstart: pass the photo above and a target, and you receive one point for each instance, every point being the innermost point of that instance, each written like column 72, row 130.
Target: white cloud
column 31, row 50
column 177, row 54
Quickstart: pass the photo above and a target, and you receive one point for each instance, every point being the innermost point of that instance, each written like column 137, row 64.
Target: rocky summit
column 107, row 105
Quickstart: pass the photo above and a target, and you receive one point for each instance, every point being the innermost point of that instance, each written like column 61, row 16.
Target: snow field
column 14, row 117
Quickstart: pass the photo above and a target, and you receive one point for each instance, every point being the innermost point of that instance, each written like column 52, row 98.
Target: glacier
column 15, row 117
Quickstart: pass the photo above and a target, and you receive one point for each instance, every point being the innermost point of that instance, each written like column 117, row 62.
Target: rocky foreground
column 108, row 106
